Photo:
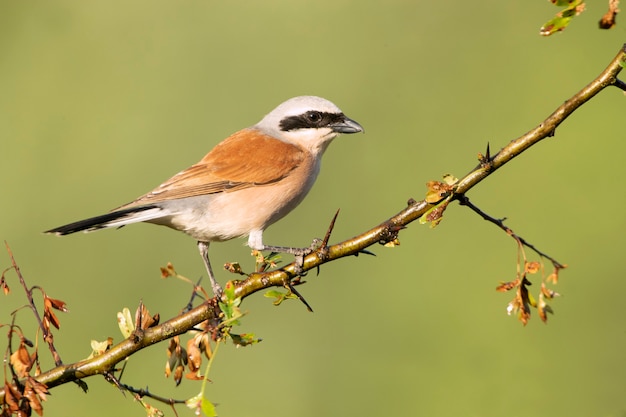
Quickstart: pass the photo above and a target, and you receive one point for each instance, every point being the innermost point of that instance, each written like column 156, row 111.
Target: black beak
column 347, row 125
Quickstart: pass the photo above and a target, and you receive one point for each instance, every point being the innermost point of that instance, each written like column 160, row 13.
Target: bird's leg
column 255, row 242
column 204, row 252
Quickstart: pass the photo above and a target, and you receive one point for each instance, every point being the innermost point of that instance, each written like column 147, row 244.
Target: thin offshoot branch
column 465, row 201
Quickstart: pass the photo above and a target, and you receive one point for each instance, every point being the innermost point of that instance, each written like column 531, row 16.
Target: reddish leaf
column 507, row 286
column 194, row 355
column 21, row 361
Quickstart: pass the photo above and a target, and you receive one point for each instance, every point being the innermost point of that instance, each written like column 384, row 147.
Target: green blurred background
column 101, row 101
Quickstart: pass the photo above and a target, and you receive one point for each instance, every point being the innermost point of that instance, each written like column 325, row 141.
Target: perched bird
column 247, row 182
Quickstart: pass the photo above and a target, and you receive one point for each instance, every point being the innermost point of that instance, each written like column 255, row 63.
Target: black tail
column 98, row 222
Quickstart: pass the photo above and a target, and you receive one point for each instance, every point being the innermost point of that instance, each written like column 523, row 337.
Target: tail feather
column 114, row 219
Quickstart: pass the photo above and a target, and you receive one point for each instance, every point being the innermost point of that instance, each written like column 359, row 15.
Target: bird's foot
column 298, row 253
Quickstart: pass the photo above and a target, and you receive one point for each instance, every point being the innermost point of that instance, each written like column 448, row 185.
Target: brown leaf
column 524, row 304
column 553, row 277
column 608, row 20
column 548, row 293
column 507, row 286
column 194, row 355
column 543, row 308
column 205, row 345
column 49, row 314
column 178, row 374
column 194, row 375
column 21, row 361
column 34, row 399
column 12, row 398
column 143, row 317
column 437, row 191
column 40, row 389
column 177, row 359
column 435, row 215
column 532, row 267
column 234, row 268
column 168, row 271
column 58, row 304
column 5, row 287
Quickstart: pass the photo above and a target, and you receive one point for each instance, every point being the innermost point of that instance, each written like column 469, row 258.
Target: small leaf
column 194, row 355
column 168, row 271
column 143, row 317
column 208, row 408
column 48, row 305
column 198, row 403
column 437, row 191
column 21, row 361
column 279, row 296
column 98, row 348
column 392, row 243
column 3, row 283
column 507, row 286
column 532, row 267
column 450, row 179
column 434, row 215
column 548, row 293
column 58, row 304
column 125, row 322
column 234, row 268
column 244, row 339
column 562, row 19
column 229, row 291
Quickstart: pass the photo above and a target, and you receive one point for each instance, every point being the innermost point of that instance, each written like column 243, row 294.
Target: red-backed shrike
column 246, row 183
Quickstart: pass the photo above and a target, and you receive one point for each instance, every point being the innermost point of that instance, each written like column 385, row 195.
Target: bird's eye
column 314, row 116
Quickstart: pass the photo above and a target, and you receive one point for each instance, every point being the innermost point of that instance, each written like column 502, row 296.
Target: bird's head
column 307, row 121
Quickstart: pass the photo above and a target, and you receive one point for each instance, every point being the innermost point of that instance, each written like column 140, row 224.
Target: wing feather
column 245, row 159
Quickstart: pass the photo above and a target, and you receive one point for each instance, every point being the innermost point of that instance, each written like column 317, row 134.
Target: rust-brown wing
column 245, row 159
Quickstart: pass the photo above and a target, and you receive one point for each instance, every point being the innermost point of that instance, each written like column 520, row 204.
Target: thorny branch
column 388, row 230
column 464, row 201
column 385, row 232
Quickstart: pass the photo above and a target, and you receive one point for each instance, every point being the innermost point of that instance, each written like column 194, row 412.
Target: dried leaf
column 143, row 317
column 553, row 277
column 58, row 304
column 507, row 286
column 547, row 292
column 178, row 374
column 21, row 361
column 35, row 392
column 234, row 268
column 608, row 20
column 40, row 389
column 177, row 359
column 168, row 271
column 5, row 287
column 437, row 191
column 48, row 314
column 523, row 298
column 194, row 355
column 434, row 215
column 532, row 267
column 12, row 398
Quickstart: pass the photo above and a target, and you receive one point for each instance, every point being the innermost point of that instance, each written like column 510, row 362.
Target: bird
column 247, row 182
